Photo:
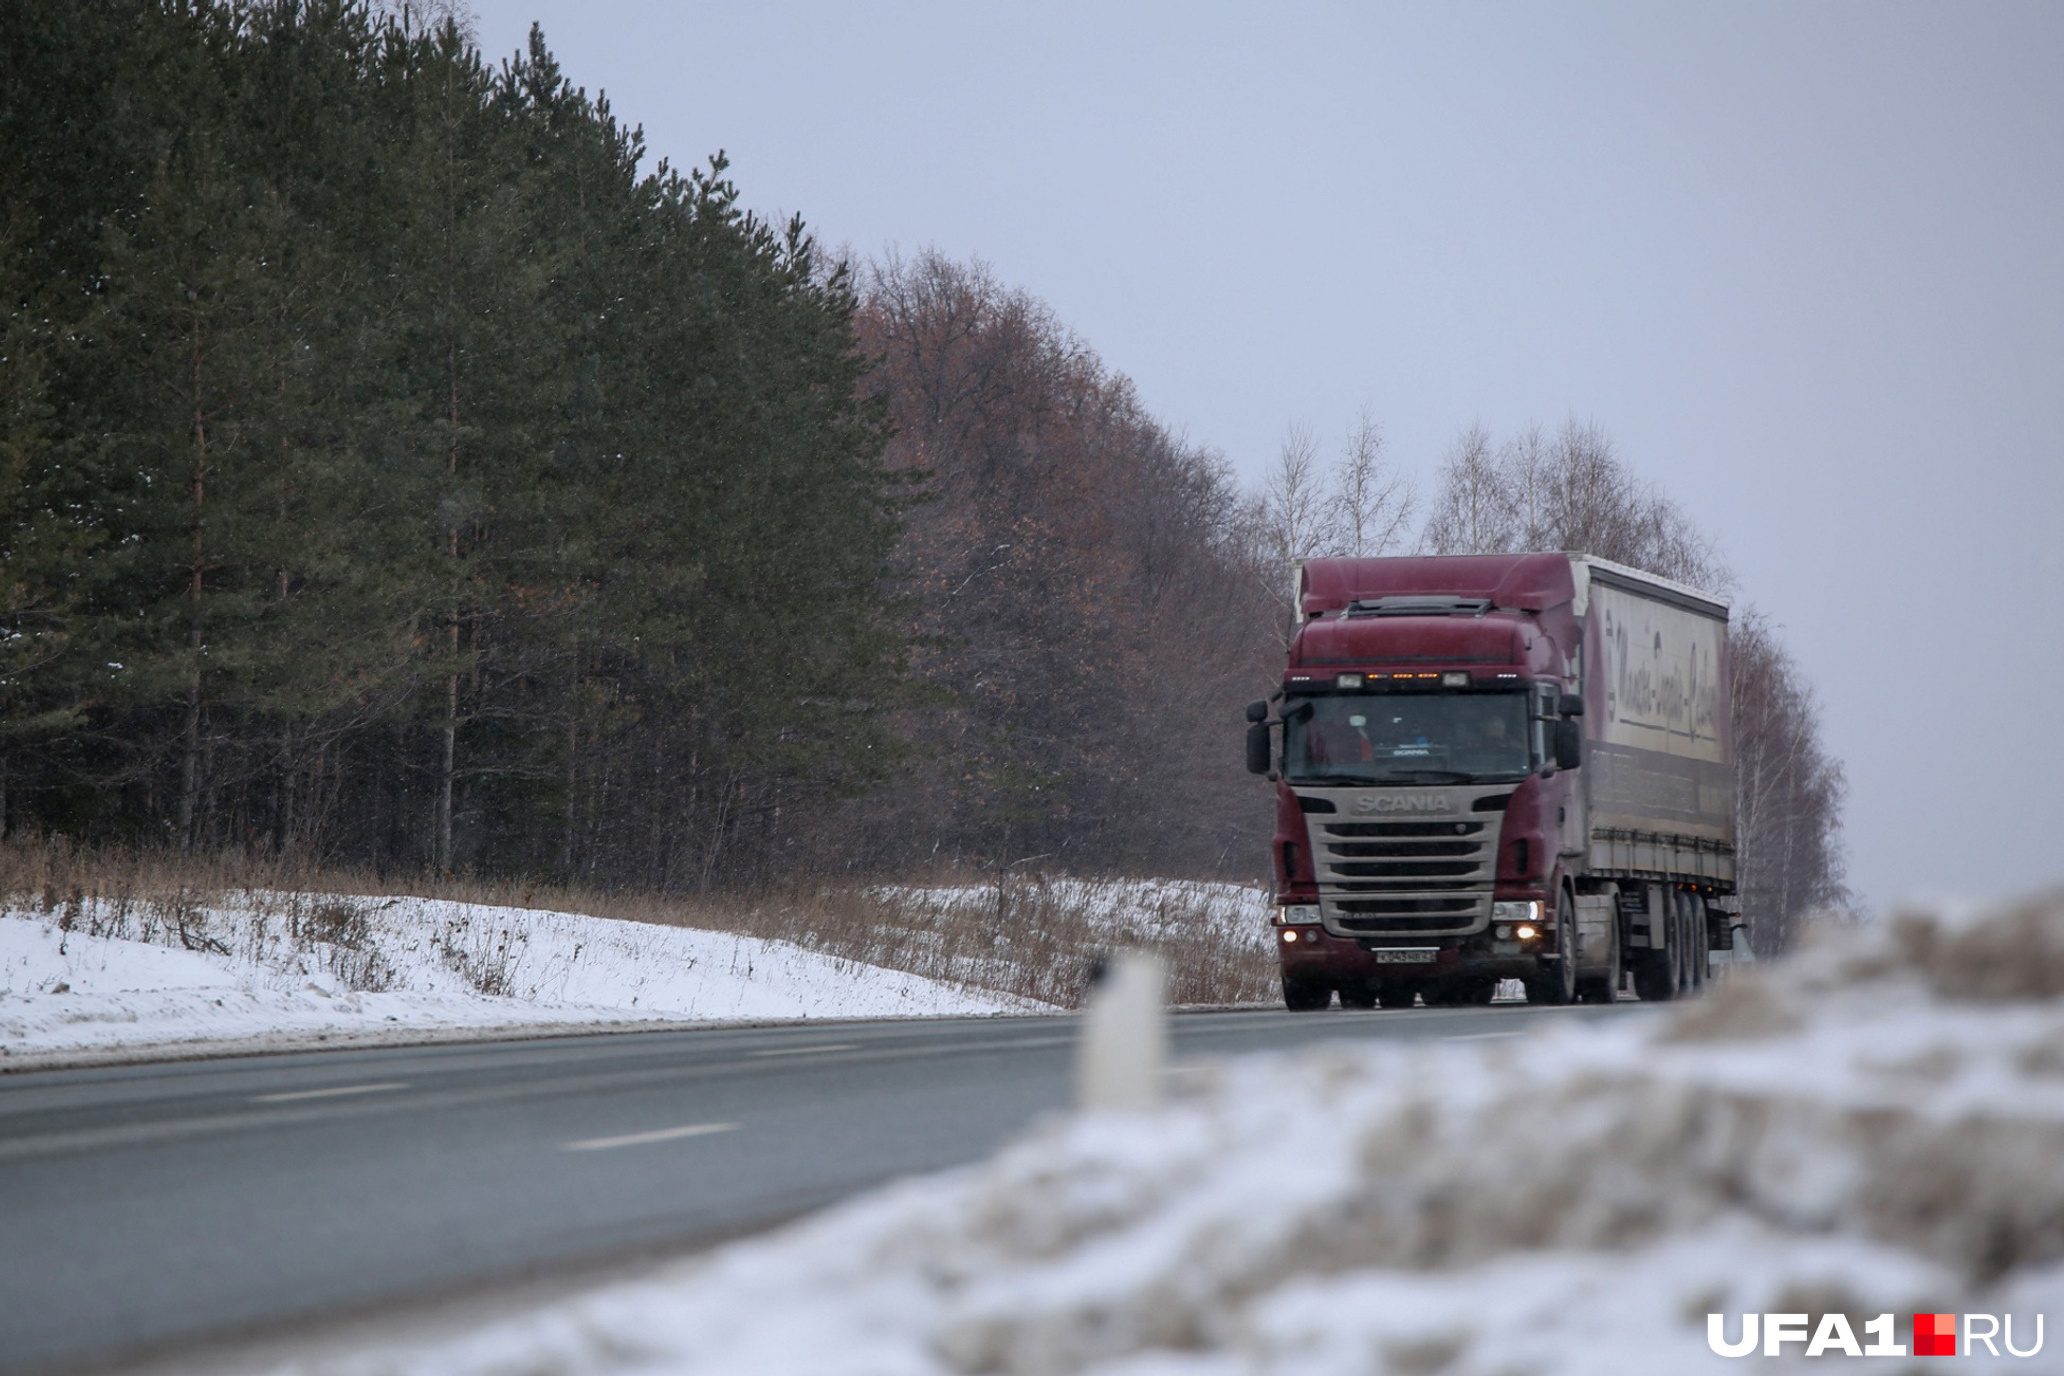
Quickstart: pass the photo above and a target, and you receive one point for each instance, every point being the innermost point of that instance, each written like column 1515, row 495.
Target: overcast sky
column 1805, row 263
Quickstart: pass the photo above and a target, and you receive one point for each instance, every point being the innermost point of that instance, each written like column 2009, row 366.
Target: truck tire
column 1472, row 993
column 1396, row 995
column 1302, row 995
column 1694, row 931
column 1658, row 975
column 1357, row 996
column 1604, row 988
column 1697, row 942
column 1680, row 964
column 1557, row 981
column 1655, row 976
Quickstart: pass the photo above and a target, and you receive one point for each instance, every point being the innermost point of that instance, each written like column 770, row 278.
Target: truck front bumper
column 1313, row 953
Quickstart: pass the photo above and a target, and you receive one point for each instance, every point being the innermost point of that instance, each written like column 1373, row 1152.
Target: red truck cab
column 1432, row 833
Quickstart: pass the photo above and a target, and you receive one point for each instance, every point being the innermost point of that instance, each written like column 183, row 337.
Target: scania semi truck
column 1496, row 767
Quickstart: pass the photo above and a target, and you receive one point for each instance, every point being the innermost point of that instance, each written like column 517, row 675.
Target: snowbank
column 292, row 968
column 1874, row 1126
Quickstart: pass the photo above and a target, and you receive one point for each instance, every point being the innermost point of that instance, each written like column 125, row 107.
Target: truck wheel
column 1696, row 943
column 1654, row 977
column 1302, row 995
column 1680, row 962
column 1474, row 993
column 1395, row 995
column 1557, row 981
column 1692, row 930
column 1604, row 988
column 1357, row 996
column 1462, row 993
column 1658, row 974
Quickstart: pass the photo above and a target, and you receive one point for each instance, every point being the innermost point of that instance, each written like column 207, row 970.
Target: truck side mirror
column 1573, row 704
column 1258, row 748
column 1257, row 710
column 1569, row 743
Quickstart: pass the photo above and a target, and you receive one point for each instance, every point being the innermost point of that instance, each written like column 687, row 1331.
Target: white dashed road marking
column 338, row 1093
column 639, row 1139
column 806, row 1050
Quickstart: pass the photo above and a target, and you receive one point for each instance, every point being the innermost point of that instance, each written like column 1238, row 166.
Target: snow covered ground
column 290, row 969
column 1875, row 1126
column 1035, row 934
column 1122, row 911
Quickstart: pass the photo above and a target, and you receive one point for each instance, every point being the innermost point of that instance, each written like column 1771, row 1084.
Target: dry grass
column 1032, row 937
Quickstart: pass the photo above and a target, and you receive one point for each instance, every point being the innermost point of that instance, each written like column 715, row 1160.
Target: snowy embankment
column 1876, row 1126
column 1134, row 911
column 288, row 970
column 1036, row 934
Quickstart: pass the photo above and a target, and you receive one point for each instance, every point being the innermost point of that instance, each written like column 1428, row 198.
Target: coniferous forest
column 392, row 469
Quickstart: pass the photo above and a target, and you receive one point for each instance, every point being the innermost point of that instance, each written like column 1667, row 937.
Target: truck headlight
column 1529, row 911
column 1299, row 914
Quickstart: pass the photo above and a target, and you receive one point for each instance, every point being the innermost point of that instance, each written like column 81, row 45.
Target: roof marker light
column 1348, row 681
column 1454, row 678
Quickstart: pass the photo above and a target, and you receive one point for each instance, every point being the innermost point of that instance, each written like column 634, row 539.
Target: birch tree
column 1371, row 500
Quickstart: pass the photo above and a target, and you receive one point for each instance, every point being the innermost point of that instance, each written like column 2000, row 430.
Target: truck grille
column 1407, row 877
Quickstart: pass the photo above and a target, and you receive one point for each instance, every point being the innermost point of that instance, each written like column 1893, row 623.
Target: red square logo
column 1935, row 1335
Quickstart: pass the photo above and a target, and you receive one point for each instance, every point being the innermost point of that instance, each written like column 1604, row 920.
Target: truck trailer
column 1493, row 767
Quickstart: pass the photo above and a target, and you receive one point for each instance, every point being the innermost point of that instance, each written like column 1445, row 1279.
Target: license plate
column 1406, row 955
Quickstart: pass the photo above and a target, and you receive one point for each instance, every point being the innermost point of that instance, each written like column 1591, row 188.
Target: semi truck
column 1498, row 767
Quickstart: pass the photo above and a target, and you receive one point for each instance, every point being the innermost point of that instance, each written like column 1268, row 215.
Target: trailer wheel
column 1659, row 975
column 1304, row 995
column 1690, row 971
column 1696, row 943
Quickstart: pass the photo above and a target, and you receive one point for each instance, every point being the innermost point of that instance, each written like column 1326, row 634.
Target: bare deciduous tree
column 1787, row 791
column 1297, row 520
column 1569, row 493
column 1472, row 509
column 1086, row 593
column 1372, row 500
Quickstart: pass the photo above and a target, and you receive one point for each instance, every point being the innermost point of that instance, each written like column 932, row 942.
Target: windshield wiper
column 1426, row 776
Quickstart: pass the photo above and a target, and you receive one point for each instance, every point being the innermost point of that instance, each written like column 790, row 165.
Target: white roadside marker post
column 1123, row 1046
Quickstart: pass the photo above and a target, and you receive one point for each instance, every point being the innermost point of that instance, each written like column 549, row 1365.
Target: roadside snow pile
column 1876, row 1126
column 92, row 977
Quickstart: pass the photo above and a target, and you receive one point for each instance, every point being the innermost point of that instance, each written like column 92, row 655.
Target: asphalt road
column 148, row 1208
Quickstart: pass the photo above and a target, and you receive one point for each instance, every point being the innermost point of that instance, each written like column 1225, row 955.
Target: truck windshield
column 1406, row 738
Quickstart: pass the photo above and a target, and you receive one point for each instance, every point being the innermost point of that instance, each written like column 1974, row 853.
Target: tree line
column 394, row 471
